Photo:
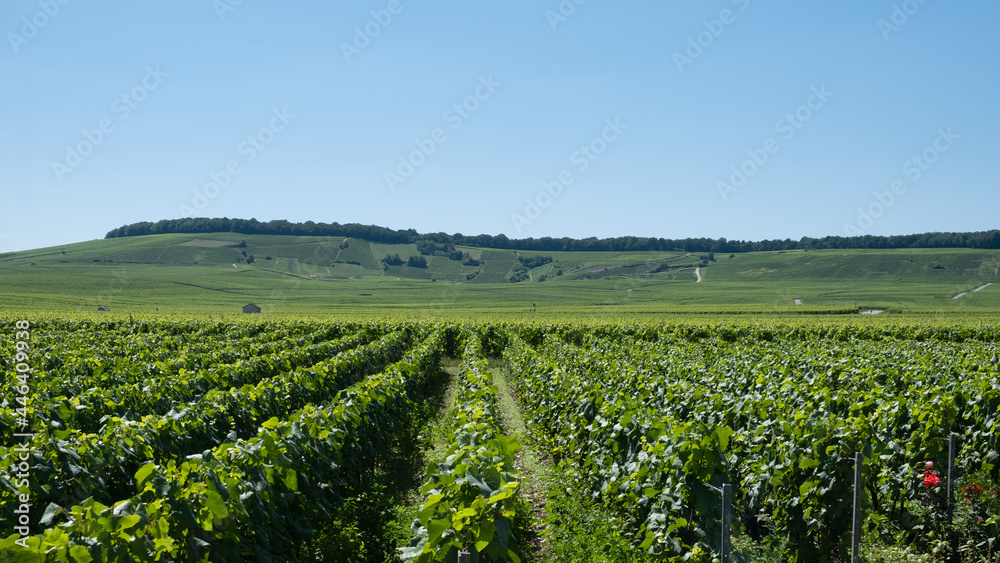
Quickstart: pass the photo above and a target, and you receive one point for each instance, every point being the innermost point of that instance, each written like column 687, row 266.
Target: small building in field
column 251, row 308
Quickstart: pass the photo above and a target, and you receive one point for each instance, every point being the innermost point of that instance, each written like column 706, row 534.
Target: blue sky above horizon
column 727, row 118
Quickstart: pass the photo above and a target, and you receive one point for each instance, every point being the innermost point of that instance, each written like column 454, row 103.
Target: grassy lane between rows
column 434, row 440
column 564, row 526
column 534, row 469
column 370, row 525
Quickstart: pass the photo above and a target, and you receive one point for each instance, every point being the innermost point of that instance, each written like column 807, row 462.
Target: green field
column 209, row 274
column 595, row 362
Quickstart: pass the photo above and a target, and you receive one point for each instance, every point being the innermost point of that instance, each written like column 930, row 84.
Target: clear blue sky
column 312, row 105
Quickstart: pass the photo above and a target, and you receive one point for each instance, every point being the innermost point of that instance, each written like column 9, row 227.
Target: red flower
column 930, row 479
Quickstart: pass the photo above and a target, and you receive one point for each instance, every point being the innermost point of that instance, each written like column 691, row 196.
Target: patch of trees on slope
column 978, row 240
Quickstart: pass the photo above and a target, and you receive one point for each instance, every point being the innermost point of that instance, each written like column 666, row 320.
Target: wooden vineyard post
column 727, row 515
column 856, row 529
column 464, row 557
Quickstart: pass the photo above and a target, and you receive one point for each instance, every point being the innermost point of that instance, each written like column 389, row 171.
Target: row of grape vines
column 469, row 494
column 659, row 420
column 246, row 458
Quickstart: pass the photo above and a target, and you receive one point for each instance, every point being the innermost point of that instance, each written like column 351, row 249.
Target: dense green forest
column 979, row 240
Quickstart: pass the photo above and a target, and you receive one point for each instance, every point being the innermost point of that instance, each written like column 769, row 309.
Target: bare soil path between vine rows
column 980, row 288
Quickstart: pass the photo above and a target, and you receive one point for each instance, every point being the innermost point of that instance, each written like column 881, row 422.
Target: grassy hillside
column 210, row 273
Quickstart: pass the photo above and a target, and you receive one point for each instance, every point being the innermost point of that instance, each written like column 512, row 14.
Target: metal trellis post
column 856, row 529
column 727, row 515
column 952, row 442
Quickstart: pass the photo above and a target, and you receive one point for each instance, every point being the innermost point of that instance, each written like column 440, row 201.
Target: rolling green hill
column 217, row 273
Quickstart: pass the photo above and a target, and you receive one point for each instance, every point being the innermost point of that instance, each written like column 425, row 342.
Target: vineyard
column 153, row 440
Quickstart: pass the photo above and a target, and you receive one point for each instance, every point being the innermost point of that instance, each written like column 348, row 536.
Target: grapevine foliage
column 219, row 441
